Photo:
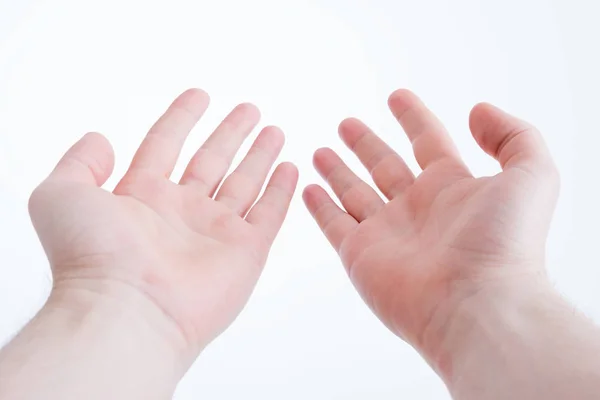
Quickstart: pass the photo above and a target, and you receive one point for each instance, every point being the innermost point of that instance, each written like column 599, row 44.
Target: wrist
column 94, row 340
column 111, row 313
column 509, row 337
column 465, row 326
column 119, row 307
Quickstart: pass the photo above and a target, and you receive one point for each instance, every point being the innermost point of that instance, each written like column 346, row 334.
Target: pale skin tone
column 147, row 276
column 170, row 265
column 444, row 234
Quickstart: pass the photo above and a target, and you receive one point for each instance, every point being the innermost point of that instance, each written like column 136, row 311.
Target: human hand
column 445, row 238
column 193, row 255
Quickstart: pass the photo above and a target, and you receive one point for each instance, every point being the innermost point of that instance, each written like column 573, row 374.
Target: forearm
column 521, row 343
column 86, row 345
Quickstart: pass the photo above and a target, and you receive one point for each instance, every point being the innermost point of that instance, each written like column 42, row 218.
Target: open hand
column 444, row 237
column 190, row 250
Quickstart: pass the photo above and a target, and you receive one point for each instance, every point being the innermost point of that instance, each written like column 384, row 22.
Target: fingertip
column 401, row 96
column 249, row 110
column 480, row 113
column 105, row 158
column 487, row 119
column 194, row 99
column 318, row 155
column 401, row 101
column 323, row 153
column 273, row 134
column 274, row 129
column 402, row 92
column 483, row 107
column 347, row 124
column 309, row 190
column 351, row 130
column 306, row 193
column 285, row 176
column 312, row 196
column 289, row 168
column 510, row 140
column 196, row 93
column 92, row 155
column 97, row 139
column 323, row 159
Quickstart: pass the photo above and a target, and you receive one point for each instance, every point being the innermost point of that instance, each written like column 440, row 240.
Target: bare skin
column 147, row 276
column 181, row 259
column 449, row 257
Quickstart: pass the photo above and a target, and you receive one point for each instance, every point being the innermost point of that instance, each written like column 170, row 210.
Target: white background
column 68, row 67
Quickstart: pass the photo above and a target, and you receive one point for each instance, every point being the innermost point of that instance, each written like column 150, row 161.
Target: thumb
column 513, row 142
column 89, row 161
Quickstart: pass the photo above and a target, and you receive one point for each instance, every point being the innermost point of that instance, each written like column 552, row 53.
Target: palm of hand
column 443, row 234
column 196, row 257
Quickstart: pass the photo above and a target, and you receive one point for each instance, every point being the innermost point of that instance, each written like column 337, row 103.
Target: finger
column 357, row 197
column 333, row 221
column 270, row 210
column 511, row 141
column 241, row 188
column 91, row 160
column 389, row 171
column 430, row 141
column 160, row 149
column 211, row 162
